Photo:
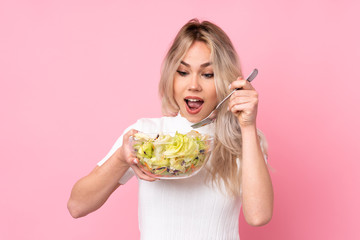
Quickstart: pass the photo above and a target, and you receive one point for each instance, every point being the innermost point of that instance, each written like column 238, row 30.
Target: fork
column 212, row 115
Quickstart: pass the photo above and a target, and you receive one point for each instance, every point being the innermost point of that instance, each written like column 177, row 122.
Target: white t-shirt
column 185, row 208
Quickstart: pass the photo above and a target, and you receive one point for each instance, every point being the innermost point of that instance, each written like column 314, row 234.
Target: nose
column 194, row 84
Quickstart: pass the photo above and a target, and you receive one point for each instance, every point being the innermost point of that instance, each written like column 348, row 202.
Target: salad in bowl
column 175, row 156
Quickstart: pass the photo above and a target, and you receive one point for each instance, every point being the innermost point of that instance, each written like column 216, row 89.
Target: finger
column 244, row 93
column 129, row 134
column 243, row 96
column 241, row 83
column 238, row 101
column 144, row 169
column 237, row 109
column 142, row 175
column 131, row 159
column 241, row 107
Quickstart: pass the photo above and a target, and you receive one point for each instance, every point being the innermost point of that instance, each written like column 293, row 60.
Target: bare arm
column 92, row 191
column 257, row 190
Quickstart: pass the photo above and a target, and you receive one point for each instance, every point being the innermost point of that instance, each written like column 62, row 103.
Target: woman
column 200, row 68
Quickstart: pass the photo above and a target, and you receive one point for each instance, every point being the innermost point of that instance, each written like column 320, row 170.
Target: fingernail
column 135, row 161
column 229, row 86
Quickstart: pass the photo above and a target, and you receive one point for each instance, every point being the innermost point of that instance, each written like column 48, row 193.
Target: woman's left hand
column 244, row 102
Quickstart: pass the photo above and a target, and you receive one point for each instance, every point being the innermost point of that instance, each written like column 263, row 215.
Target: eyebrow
column 201, row 66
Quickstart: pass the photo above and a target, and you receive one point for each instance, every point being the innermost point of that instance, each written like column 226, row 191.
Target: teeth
column 193, row 100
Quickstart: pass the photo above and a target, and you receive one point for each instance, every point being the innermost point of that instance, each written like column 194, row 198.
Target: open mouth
column 193, row 104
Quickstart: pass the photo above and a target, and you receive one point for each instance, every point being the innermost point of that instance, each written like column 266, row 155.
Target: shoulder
column 149, row 120
column 169, row 124
column 152, row 124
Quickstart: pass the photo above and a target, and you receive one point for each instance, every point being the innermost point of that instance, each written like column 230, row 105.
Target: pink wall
column 74, row 74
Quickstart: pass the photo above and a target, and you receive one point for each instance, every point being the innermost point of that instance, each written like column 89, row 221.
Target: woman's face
column 194, row 85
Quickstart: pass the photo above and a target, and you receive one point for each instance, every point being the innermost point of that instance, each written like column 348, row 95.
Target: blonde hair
column 227, row 151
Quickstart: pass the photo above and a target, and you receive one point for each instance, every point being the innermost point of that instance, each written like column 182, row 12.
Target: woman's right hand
column 92, row 191
column 127, row 155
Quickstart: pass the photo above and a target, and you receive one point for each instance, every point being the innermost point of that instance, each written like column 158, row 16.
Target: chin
column 194, row 118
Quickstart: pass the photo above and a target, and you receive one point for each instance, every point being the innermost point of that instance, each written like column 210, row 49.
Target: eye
column 208, row 75
column 181, row 73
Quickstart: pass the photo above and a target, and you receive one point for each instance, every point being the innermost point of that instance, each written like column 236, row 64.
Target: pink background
column 74, row 74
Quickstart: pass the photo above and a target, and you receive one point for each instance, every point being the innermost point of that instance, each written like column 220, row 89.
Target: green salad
column 168, row 156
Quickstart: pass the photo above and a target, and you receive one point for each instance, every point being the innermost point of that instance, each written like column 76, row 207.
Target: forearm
column 92, row 191
column 257, row 190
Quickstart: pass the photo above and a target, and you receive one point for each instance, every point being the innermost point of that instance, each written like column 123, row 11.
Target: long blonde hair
column 227, row 151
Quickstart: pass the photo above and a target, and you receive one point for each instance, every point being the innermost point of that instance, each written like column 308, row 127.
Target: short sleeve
column 129, row 173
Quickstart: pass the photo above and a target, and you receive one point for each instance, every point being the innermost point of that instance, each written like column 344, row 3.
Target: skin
column 257, row 196
column 195, row 77
column 92, row 191
column 192, row 79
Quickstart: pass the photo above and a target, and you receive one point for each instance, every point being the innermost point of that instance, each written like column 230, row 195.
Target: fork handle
column 227, row 97
column 249, row 79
